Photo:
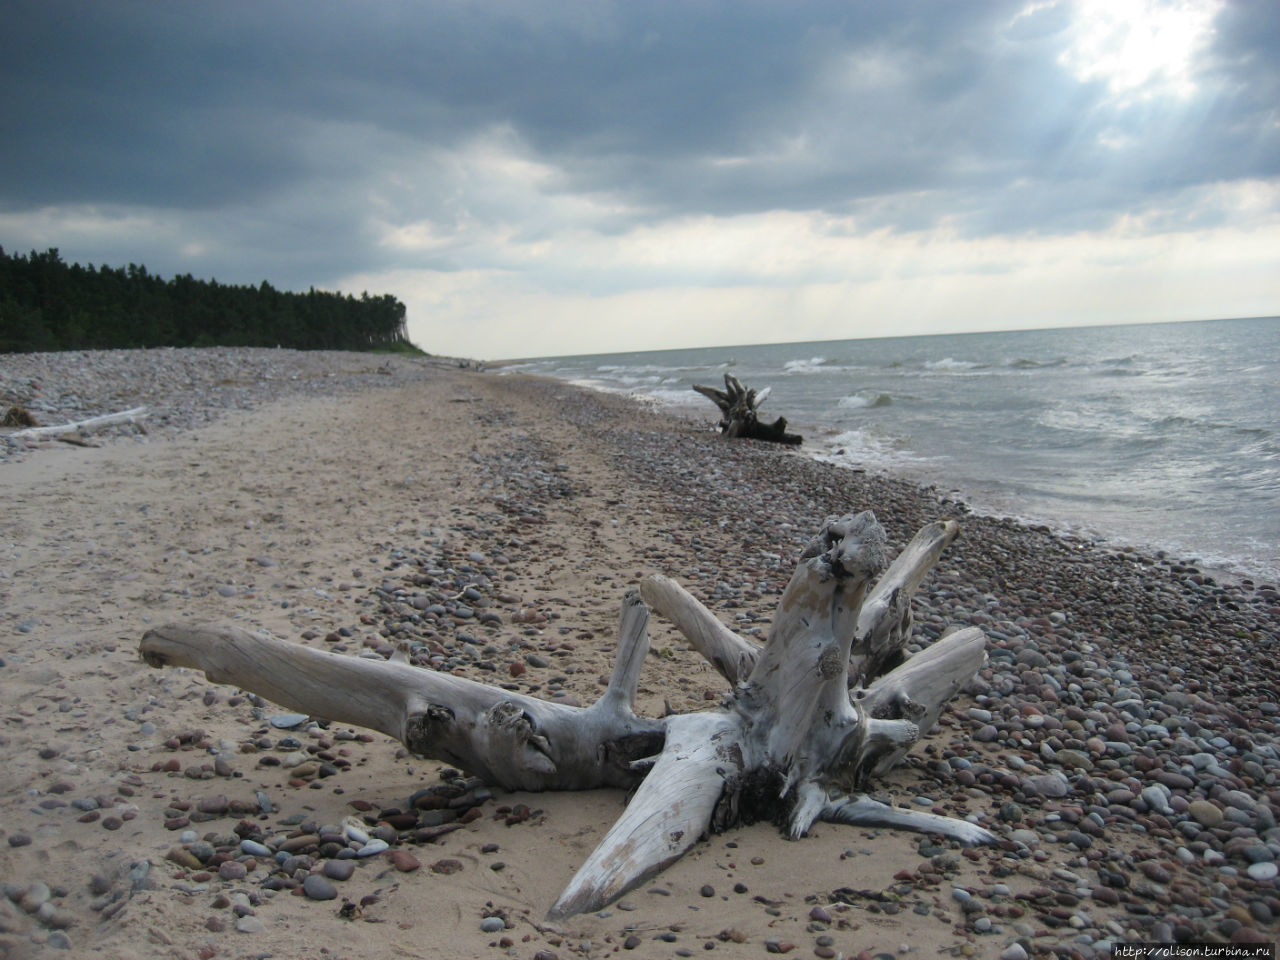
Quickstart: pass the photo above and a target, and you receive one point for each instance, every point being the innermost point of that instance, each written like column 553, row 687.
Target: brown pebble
column 232, row 870
column 215, row 924
column 112, row 823
column 403, row 860
column 447, row 866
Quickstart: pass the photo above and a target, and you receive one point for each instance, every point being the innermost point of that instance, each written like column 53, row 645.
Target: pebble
column 250, row 924
column 339, row 869
column 1205, row 813
column 404, row 861
column 319, row 887
column 492, row 924
column 374, row 847
column 232, row 870
column 1263, row 870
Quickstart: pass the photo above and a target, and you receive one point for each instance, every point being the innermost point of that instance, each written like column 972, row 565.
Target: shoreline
column 1122, row 740
column 1152, row 553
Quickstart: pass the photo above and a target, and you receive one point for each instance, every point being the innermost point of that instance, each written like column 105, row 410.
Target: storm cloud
column 489, row 152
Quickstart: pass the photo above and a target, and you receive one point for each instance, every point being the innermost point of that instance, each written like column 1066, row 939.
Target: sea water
column 1157, row 436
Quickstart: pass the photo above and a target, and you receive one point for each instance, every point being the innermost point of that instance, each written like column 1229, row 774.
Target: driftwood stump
column 740, row 413
column 815, row 712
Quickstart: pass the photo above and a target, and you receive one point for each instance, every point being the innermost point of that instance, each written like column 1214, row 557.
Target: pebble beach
column 1121, row 741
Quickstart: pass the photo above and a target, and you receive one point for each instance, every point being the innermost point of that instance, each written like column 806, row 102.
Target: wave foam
column 858, row 401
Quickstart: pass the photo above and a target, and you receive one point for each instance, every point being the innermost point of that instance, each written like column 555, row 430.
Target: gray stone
column 339, row 869
column 318, row 887
column 1047, row 785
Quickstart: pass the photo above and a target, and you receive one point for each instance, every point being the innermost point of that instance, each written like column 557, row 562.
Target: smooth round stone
column 1157, row 798
column 372, row 848
column 492, row 924
column 319, row 887
column 254, row 848
column 1263, row 870
column 232, row 870
column 250, row 924
column 1257, row 852
column 1205, row 813
column 339, row 869
column 287, row 721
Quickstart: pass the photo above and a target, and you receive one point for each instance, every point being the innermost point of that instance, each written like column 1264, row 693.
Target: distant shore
column 1122, row 740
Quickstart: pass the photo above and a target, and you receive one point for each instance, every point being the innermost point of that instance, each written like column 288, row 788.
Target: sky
column 549, row 177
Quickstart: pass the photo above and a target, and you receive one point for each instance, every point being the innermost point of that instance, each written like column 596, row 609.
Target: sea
column 1156, row 437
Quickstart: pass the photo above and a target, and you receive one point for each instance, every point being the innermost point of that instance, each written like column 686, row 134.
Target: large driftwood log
column 826, row 704
column 740, row 413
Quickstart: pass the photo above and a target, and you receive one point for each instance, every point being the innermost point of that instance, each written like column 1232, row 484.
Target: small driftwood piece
column 740, row 413
column 132, row 416
column 825, row 704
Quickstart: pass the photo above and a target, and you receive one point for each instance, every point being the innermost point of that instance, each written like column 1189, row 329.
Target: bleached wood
column 732, row 655
column 668, row 814
column 506, row 738
column 919, row 688
column 865, row 812
column 788, row 743
column 133, row 415
column 885, row 620
column 633, row 646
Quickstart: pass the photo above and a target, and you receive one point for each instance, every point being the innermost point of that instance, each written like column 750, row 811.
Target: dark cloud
column 285, row 115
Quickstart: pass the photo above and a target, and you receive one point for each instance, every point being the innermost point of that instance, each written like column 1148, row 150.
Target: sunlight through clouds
column 1141, row 48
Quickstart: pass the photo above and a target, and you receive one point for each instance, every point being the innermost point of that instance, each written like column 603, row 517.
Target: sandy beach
column 1121, row 740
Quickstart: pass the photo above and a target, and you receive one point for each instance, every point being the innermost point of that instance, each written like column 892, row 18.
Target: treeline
column 46, row 304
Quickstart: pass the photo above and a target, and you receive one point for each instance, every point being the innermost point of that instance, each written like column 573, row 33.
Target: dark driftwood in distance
column 740, row 413
column 826, row 704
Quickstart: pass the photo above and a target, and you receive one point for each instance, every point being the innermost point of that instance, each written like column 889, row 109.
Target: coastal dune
column 1121, row 740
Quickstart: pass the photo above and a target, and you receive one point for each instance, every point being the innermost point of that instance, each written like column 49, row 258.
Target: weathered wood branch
column 506, row 738
column 732, row 655
column 132, row 416
column 740, row 413
column 789, row 743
